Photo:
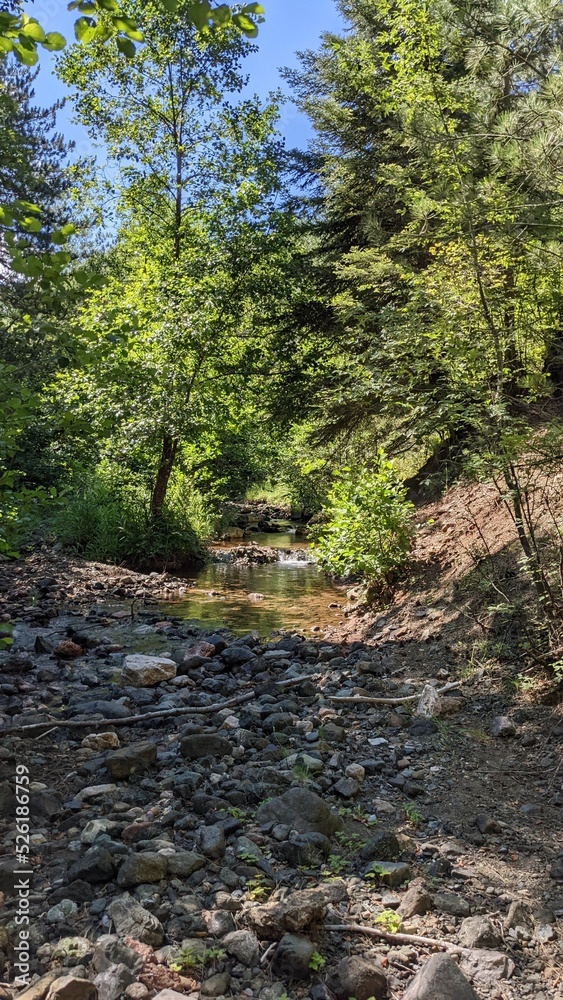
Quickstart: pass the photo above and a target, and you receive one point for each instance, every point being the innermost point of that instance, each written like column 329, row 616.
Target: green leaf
column 198, row 14
column 84, row 29
column 87, row 7
column 126, row 46
column 111, row 5
column 6, row 44
column 31, row 225
column 222, row 14
column 27, row 206
column 171, row 5
column 253, row 8
column 6, row 217
column 33, row 30
column 54, row 41
column 128, row 27
column 246, row 25
column 28, row 57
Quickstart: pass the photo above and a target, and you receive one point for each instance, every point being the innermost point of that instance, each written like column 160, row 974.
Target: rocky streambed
column 207, row 821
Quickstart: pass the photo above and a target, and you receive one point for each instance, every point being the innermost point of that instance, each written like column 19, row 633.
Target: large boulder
column 301, row 810
column 146, row 671
column 440, row 979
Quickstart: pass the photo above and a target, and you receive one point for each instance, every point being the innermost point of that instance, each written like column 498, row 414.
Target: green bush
column 368, row 527
column 108, row 519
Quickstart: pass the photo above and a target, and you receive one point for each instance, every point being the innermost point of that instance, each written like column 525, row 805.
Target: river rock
column 140, row 868
column 216, row 986
column 127, row 760
column 96, row 865
column 112, row 983
column 357, row 977
column 146, row 671
column 503, row 726
column 101, row 741
column 478, row 932
column 485, row 966
column 184, row 863
column 301, row 810
column 211, row 841
column 450, row 902
column 198, row 745
column 440, row 979
column 111, row 951
column 72, row 988
column 415, row 901
column 292, row 957
column 294, row 913
column 132, row 920
column 235, row 655
column 243, row 945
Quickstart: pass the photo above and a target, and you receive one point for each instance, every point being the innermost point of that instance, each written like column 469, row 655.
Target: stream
column 292, row 593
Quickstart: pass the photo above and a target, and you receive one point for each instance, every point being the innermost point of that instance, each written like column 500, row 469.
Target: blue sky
column 290, row 26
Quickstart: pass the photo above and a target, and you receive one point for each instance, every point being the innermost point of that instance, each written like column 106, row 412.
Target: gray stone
column 384, row 845
column 111, row 951
column 184, row 863
column 415, row 901
column 519, row 915
column 140, row 868
column 357, row 977
column 128, row 760
column 295, row 912
column 220, row 922
column 347, row 787
column 450, row 902
column 71, row 988
column 112, row 983
column 244, row 946
column 204, row 745
column 235, row 655
column 131, row 919
column 440, row 979
column 478, row 932
column 95, row 866
column 391, row 873
column 44, row 804
column 292, row 957
column 503, row 726
column 216, row 986
column 146, row 671
column 486, row 967
column 302, row 810
column 211, row 841
column 486, row 824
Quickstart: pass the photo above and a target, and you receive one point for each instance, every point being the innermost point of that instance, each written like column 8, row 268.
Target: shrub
column 368, row 527
column 108, row 518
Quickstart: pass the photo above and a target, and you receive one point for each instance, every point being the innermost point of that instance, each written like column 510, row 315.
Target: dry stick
column 397, row 938
column 166, row 713
column 358, row 700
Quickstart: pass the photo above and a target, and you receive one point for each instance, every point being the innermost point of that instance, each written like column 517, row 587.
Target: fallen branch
column 166, row 713
column 296, row 681
column 359, row 700
column 424, row 942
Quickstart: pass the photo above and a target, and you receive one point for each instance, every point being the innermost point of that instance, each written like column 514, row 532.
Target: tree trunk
column 165, row 466
column 553, row 364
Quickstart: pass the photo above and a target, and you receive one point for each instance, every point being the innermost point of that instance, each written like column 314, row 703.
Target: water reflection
column 285, row 595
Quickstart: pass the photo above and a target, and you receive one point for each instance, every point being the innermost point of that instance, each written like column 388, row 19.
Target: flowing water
column 291, row 593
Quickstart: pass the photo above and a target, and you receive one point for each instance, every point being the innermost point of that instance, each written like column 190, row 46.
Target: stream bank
column 238, row 850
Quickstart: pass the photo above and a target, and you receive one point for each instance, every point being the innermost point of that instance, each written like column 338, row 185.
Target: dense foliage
column 235, row 318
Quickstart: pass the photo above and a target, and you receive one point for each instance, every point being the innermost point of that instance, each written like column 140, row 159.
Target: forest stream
column 291, row 593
